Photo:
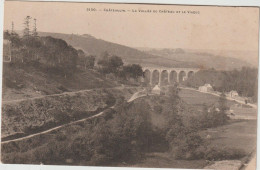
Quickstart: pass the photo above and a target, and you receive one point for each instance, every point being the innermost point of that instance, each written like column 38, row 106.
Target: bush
column 189, row 146
column 212, row 119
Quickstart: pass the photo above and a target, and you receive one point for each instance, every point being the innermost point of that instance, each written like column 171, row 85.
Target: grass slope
column 34, row 80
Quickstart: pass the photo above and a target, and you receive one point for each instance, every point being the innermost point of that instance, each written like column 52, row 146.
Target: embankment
column 32, row 116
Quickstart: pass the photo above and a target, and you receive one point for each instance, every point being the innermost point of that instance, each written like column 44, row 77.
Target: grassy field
column 239, row 134
column 195, row 98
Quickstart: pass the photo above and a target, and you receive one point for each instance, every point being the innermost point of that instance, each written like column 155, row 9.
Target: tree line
column 62, row 57
column 243, row 81
column 112, row 64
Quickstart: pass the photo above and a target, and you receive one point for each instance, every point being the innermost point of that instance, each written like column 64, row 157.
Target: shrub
column 213, row 119
column 189, row 146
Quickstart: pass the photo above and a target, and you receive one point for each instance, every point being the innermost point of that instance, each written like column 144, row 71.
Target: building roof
column 207, row 85
column 156, row 87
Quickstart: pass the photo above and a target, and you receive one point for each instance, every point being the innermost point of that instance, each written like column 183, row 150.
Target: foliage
column 122, row 137
column 87, row 61
column 114, row 65
column 110, row 64
column 26, row 31
column 189, row 146
column 214, row 116
column 49, row 51
column 132, row 70
column 14, row 38
column 223, row 103
column 224, row 81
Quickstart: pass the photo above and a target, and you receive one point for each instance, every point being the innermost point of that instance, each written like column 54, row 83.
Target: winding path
column 134, row 97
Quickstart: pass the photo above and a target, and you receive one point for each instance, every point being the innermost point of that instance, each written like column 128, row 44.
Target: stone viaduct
column 166, row 75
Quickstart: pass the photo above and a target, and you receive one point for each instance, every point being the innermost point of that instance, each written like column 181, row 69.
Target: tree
column 133, row 71
column 114, row 63
column 221, row 116
column 35, row 33
column 90, row 61
column 26, row 31
column 87, row 62
column 7, row 35
column 240, row 80
column 59, row 55
column 103, row 62
column 110, row 64
column 223, row 103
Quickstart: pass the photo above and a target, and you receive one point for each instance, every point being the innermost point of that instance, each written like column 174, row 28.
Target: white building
column 233, row 94
column 206, row 88
column 156, row 90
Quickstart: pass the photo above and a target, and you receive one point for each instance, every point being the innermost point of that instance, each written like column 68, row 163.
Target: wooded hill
column 43, row 66
column 150, row 57
column 92, row 46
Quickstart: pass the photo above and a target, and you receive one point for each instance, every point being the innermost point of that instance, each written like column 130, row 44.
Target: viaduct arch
column 164, row 76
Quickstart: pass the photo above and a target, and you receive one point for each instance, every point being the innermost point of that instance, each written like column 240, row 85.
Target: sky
column 214, row 28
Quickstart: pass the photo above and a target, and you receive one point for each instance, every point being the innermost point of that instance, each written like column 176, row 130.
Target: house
column 156, row 90
column 206, row 88
column 233, row 94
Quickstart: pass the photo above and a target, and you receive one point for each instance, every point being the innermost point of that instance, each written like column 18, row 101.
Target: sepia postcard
column 129, row 85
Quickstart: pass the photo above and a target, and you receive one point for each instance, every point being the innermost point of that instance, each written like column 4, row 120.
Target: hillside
column 43, row 66
column 202, row 58
column 93, row 46
column 33, row 81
